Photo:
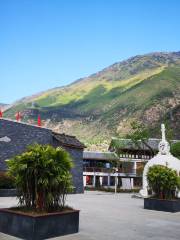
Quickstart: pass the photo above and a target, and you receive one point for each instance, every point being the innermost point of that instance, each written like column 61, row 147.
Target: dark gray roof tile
column 68, row 140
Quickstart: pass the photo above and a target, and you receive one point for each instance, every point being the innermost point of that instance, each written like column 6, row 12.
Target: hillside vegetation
column 144, row 88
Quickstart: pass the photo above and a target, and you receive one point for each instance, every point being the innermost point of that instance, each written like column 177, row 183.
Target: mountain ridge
column 143, row 88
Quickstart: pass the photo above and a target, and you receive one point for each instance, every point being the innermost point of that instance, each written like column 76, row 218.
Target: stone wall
column 77, row 171
column 22, row 135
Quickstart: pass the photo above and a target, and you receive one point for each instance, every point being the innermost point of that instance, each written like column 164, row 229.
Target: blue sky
column 45, row 44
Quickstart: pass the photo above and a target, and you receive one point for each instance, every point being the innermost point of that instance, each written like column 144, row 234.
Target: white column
column 109, row 180
column 94, row 181
column 100, row 180
column 132, row 182
column 84, row 181
column 116, row 182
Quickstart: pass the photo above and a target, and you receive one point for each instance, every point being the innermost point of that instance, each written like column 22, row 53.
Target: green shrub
column 175, row 149
column 42, row 177
column 163, row 181
column 6, row 181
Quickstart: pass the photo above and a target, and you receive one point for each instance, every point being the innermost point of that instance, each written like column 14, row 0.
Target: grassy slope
column 153, row 90
column 81, row 89
column 134, row 103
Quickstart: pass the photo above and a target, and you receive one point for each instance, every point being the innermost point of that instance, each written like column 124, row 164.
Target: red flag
column 39, row 121
column 18, row 116
column 1, row 114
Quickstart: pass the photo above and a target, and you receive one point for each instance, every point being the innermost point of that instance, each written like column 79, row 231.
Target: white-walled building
column 100, row 168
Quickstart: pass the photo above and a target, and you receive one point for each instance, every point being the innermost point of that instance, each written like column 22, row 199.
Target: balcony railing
column 109, row 170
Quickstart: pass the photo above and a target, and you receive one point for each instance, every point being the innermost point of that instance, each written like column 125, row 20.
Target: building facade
column 102, row 169
column 15, row 137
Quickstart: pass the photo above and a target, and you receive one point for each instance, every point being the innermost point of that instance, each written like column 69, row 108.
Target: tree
column 42, row 177
column 140, row 135
column 175, row 149
column 169, row 132
column 163, row 181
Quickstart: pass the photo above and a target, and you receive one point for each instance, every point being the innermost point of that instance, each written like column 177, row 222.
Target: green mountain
column 144, row 88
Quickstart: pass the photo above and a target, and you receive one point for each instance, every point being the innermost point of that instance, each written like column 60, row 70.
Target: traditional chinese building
column 16, row 136
column 99, row 170
column 102, row 168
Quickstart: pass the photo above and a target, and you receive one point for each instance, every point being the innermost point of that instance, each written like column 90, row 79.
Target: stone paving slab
column 105, row 216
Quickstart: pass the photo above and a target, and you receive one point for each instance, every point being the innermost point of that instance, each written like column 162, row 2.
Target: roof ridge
column 54, row 132
column 25, row 123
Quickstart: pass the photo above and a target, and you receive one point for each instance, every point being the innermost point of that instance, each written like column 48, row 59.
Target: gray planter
column 30, row 227
column 8, row 193
column 162, row 204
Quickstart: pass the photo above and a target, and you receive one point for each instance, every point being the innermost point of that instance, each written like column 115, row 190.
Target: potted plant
column 7, row 187
column 42, row 178
column 163, row 182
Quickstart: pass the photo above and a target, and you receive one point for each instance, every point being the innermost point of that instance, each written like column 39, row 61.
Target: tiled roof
column 64, row 139
column 24, row 123
column 68, row 140
column 128, row 144
column 99, row 155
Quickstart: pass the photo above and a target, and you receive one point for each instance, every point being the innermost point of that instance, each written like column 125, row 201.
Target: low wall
column 8, row 193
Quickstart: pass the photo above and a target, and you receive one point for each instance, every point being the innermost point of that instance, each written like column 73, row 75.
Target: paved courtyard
column 105, row 216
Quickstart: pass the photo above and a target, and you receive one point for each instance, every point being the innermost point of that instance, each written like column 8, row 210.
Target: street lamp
column 115, row 170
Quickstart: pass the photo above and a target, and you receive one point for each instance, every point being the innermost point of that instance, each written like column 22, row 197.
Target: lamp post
column 116, row 179
column 109, row 175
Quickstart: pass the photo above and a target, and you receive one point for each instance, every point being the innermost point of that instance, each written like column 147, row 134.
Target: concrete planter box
column 162, row 205
column 44, row 226
column 8, row 192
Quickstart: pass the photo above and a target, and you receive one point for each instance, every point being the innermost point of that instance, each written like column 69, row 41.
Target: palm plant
column 42, row 177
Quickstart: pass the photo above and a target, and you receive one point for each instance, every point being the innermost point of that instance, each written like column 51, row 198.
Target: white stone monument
column 163, row 158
